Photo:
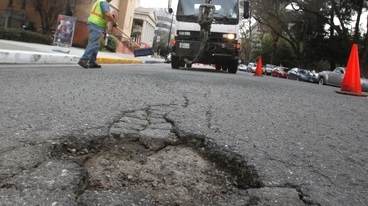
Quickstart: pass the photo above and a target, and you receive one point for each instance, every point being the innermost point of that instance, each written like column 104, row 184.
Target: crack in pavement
column 67, row 177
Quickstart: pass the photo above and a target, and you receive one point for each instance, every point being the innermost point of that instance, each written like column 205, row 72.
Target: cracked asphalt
column 293, row 143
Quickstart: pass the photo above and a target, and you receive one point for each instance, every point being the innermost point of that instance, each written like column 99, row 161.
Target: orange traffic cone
column 258, row 71
column 351, row 83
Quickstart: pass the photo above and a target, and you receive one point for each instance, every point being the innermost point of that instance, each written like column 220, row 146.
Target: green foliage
column 303, row 25
column 266, row 48
column 285, row 55
column 25, row 36
column 111, row 46
column 263, row 50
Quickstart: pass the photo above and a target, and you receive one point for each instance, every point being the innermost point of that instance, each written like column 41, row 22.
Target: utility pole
column 169, row 37
column 250, row 34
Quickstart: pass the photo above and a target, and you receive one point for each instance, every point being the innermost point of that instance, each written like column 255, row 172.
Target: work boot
column 83, row 63
column 94, row 65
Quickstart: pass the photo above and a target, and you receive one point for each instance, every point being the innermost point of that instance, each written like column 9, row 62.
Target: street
column 150, row 135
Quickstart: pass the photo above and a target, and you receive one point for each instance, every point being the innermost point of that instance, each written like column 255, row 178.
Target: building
column 15, row 13
column 144, row 25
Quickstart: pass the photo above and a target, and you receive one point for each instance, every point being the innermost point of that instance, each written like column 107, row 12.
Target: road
column 150, row 135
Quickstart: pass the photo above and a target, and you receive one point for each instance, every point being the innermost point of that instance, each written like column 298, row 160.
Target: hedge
column 33, row 37
column 25, row 36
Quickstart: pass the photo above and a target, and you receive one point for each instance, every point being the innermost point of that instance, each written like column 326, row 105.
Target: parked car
column 242, row 67
column 335, row 78
column 315, row 73
column 280, row 72
column 168, row 58
column 364, row 82
column 251, row 67
column 267, row 69
column 302, row 75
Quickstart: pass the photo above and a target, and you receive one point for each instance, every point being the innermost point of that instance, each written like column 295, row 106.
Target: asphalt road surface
column 283, row 142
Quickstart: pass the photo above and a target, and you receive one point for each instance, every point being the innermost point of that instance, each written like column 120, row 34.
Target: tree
column 265, row 49
column 247, row 42
column 271, row 15
column 295, row 27
column 347, row 30
column 284, row 55
column 49, row 11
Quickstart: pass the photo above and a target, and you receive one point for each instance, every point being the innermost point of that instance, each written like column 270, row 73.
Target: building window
column 24, row 4
column 10, row 4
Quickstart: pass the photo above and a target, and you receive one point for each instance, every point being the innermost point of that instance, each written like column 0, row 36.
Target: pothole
column 144, row 157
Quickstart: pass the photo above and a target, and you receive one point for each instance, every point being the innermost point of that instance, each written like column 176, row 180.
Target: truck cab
column 220, row 45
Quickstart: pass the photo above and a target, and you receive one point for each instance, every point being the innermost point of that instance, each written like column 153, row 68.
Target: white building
column 144, row 24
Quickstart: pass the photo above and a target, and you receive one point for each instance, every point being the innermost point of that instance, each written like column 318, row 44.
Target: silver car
column 336, row 76
column 267, row 69
column 251, row 67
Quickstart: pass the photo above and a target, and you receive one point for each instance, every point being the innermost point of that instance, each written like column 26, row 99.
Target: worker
column 97, row 24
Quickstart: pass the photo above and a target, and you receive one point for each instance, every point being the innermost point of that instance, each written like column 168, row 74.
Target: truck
column 207, row 33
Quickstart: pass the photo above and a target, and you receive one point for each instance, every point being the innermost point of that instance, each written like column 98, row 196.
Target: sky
column 155, row 3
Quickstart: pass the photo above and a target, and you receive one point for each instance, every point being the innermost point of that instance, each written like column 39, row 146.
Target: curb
column 109, row 60
column 25, row 57
column 22, row 57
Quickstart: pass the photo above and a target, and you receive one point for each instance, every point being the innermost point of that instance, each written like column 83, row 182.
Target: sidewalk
column 14, row 52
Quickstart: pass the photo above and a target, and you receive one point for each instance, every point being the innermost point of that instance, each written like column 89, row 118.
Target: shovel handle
column 127, row 36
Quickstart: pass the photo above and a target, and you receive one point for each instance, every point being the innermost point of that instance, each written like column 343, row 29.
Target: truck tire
column 175, row 62
column 181, row 62
column 233, row 67
column 218, row 67
column 225, row 67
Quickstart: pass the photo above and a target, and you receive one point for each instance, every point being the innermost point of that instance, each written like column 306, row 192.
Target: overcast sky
column 155, row 3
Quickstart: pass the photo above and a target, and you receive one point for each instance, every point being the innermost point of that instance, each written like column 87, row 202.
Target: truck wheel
column 175, row 62
column 218, row 67
column 189, row 65
column 224, row 67
column 233, row 67
column 181, row 63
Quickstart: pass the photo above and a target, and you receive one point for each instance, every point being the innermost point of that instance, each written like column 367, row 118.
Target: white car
column 242, row 67
column 251, row 67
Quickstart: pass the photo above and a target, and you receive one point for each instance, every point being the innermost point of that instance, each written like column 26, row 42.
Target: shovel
column 140, row 51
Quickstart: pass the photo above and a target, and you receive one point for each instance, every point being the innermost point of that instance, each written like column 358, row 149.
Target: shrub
column 33, row 37
column 25, row 36
column 111, row 46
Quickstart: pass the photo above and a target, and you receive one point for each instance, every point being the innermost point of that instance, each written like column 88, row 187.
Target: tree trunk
column 331, row 40
column 364, row 55
column 275, row 39
column 359, row 13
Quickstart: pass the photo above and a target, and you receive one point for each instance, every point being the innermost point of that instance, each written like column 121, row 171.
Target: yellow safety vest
column 97, row 16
